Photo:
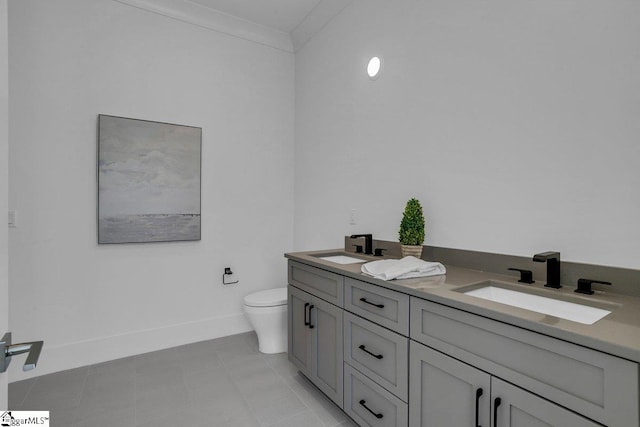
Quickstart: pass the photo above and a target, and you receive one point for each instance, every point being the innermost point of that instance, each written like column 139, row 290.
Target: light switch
column 352, row 217
column 12, row 219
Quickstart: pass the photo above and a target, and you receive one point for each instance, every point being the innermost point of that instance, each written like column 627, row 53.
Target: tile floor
column 222, row 382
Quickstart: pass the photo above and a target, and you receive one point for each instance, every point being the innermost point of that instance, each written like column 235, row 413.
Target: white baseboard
column 83, row 353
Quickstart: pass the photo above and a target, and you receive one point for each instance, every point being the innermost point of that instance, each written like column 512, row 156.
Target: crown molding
column 211, row 19
column 316, row 20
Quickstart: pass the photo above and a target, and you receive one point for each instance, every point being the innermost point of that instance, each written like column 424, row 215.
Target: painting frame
column 149, row 181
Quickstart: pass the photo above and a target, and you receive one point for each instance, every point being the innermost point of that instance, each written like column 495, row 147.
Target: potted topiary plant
column 411, row 234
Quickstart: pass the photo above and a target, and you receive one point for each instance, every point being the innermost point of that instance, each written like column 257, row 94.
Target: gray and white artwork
column 148, row 181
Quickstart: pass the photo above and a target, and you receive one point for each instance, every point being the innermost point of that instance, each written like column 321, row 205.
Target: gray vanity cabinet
column 389, row 359
column 445, row 391
column 596, row 385
column 316, row 340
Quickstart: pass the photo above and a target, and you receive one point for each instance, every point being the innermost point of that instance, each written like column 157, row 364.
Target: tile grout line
column 337, row 423
column 233, row 384
column 76, row 407
column 304, row 403
column 24, row 398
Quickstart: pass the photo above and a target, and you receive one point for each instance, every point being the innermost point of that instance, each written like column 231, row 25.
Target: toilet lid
column 268, row 298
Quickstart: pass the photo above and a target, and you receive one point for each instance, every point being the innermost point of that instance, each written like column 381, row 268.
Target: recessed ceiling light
column 373, row 67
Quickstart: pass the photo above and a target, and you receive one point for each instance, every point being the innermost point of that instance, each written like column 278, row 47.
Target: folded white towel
column 405, row 268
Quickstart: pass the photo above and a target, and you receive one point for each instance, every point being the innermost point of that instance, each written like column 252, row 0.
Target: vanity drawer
column 383, row 306
column 321, row 283
column 364, row 399
column 379, row 353
column 594, row 384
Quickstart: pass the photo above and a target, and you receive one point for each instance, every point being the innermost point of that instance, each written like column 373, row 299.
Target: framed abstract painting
column 149, row 181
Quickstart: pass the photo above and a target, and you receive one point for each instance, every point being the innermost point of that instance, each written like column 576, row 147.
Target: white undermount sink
column 554, row 307
column 342, row 259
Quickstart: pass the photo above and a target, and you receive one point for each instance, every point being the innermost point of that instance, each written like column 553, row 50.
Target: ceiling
column 283, row 15
column 282, row 24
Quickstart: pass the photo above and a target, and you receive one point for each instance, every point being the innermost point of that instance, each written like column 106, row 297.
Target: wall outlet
column 352, row 217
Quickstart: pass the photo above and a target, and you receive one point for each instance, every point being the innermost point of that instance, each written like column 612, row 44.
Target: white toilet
column 267, row 313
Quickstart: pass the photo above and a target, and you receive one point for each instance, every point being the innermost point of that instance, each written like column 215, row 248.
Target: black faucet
column 553, row 267
column 526, row 276
column 368, row 242
column 584, row 285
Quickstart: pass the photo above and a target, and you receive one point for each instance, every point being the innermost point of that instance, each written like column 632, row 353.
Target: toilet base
column 271, row 347
column 270, row 324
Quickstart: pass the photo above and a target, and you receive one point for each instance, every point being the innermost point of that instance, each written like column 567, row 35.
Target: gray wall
column 73, row 59
column 514, row 122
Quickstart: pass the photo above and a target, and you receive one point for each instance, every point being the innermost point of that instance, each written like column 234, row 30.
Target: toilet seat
column 268, row 298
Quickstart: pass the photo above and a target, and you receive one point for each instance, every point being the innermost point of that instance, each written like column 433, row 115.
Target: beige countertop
column 618, row 333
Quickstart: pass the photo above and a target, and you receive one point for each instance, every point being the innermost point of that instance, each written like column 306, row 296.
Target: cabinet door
column 515, row 407
column 327, row 358
column 299, row 332
column 445, row 391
